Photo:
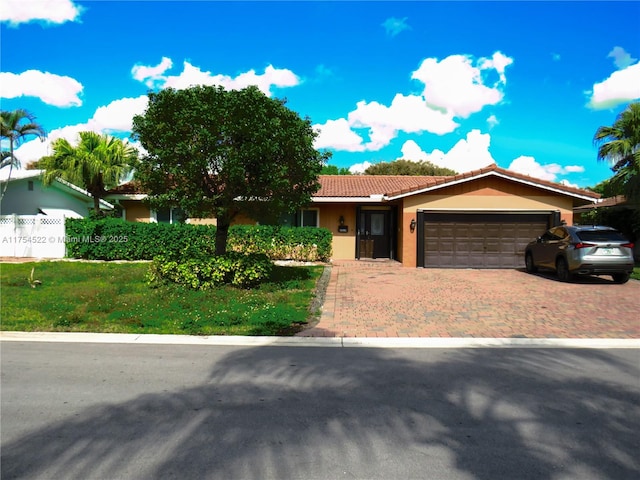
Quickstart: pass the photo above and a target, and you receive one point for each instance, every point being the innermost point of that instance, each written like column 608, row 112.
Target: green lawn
column 110, row 297
column 636, row 273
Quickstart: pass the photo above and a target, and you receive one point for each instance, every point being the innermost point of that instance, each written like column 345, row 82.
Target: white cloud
column 16, row 12
column 359, row 168
column 393, row 26
column 621, row 58
column 56, row 90
column 409, row 114
column 456, row 85
column 470, row 153
column 492, row 121
column 406, row 113
column 621, row 87
column 337, row 134
column 412, row 151
column 117, row 116
column 530, row 166
column 153, row 76
column 567, row 183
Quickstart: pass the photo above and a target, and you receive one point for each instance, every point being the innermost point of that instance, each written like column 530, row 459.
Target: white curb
column 390, row 342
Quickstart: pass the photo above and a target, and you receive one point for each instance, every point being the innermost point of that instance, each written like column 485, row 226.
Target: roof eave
column 127, row 196
column 374, row 199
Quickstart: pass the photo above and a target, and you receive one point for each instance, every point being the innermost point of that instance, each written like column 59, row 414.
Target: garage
column 478, row 239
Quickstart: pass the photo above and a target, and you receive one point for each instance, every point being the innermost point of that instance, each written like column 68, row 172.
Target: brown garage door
column 479, row 240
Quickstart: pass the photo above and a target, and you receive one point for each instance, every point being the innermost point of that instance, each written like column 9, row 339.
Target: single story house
column 478, row 219
column 27, row 195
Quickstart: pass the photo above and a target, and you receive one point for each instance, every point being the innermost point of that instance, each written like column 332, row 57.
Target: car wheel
column 528, row 263
column 621, row 277
column 562, row 270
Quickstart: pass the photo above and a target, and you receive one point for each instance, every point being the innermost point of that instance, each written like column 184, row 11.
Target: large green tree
column 407, row 167
column 15, row 127
column 97, row 163
column 619, row 145
column 216, row 152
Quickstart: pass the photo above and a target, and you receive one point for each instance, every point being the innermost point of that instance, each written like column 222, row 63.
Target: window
column 168, row 215
column 559, row 233
column 30, row 185
column 307, row 217
column 601, row 236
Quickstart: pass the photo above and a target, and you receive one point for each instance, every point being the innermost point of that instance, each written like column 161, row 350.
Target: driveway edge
column 370, row 342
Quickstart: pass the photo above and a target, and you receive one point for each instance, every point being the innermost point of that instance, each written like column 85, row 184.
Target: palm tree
column 15, row 126
column 619, row 145
column 97, row 163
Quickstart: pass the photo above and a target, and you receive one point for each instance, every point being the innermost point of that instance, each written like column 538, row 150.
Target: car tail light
column 628, row 245
column 583, row 245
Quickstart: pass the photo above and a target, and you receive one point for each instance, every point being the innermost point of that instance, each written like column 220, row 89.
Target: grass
column 110, row 297
column 636, row 272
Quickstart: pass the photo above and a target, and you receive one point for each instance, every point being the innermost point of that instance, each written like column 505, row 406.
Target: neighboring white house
column 26, row 195
column 32, row 215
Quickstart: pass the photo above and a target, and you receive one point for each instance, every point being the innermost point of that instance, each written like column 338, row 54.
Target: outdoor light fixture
column 341, row 220
column 412, row 225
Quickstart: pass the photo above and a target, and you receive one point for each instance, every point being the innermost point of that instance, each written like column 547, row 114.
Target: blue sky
column 461, row 84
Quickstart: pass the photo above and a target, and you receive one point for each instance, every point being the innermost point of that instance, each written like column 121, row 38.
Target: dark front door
column 374, row 233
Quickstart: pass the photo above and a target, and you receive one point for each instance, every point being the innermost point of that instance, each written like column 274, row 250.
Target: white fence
column 32, row 236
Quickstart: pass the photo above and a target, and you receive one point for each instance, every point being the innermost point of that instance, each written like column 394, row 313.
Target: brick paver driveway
column 383, row 299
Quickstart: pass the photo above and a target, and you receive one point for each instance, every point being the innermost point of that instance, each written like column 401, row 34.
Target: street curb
column 370, row 342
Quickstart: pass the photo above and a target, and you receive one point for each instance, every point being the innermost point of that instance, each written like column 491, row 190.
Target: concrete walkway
column 370, row 299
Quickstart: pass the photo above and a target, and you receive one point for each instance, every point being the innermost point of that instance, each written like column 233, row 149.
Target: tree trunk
column 96, row 204
column 222, row 232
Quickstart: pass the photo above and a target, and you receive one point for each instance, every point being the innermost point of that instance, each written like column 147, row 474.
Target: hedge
column 116, row 239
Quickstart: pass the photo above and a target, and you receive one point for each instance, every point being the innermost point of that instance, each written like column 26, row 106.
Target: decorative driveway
column 384, row 299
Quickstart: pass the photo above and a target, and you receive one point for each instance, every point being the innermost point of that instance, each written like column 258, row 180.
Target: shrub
column 237, row 269
column 309, row 244
column 116, row 239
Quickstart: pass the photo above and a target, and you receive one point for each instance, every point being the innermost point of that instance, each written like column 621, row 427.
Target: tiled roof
column 360, row 186
column 367, row 185
column 129, row 188
column 394, row 185
column 616, row 201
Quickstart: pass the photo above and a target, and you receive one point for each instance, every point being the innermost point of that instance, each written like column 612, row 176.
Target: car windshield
column 600, row 236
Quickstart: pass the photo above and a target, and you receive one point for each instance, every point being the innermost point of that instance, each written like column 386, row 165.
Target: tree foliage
column 619, row 145
column 334, row 170
column 408, row 167
column 607, row 188
column 222, row 153
column 15, row 127
column 98, row 163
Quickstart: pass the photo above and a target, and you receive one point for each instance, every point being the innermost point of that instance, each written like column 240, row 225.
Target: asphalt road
column 107, row 411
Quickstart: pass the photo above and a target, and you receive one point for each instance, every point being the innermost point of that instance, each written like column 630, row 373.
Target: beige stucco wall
column 344, row 244
column 136, row 211
column 201, row 221
column 483, row 194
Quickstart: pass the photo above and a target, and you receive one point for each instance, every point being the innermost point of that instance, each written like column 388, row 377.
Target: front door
column 374, row 234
